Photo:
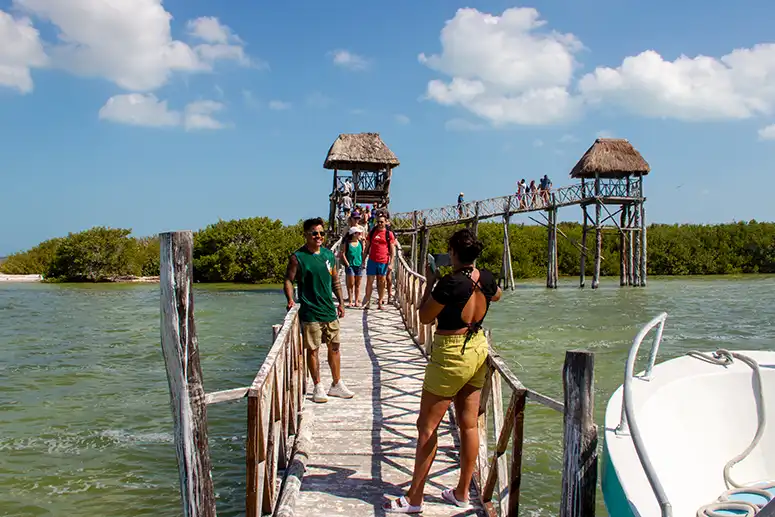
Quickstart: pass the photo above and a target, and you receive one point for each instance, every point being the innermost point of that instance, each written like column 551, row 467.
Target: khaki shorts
column 316, row 332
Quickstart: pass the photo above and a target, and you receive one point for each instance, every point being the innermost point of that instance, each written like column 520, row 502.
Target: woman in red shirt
column 380, row 249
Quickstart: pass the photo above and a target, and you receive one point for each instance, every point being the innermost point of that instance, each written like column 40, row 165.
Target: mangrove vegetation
column 256, row 250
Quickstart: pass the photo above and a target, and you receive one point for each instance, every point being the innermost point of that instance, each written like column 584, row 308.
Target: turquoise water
column 84, row 401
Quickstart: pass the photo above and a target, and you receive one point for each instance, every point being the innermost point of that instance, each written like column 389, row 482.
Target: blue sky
column 470, row 99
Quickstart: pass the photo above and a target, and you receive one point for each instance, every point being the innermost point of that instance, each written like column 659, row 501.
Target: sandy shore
column 20, row 278
column 39, row 278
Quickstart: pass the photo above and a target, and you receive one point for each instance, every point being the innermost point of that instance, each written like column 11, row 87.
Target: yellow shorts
column 316, row 332
column 449, row 370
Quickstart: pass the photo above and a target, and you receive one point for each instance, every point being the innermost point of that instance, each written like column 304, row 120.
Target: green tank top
column 315, row 285
column 354, row 254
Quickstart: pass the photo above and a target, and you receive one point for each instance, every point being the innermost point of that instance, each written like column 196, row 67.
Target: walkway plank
column 363, row 448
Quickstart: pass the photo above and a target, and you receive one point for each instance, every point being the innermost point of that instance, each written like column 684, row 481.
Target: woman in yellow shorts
column 457, row 367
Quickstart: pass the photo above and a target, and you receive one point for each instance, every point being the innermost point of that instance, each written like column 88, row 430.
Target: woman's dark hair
column 465, row 245
column 311, row 223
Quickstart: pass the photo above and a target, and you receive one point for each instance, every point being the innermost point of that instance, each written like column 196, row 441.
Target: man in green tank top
column 313, row 267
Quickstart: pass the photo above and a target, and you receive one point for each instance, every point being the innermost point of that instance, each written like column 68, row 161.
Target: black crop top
column 453, row 292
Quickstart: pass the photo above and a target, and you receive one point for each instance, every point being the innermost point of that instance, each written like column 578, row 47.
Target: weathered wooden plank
column 502, row 444
column 289, row 494
column 289, row 324
column 253, row 457
column 217, row 397
column 184, row 374
column 518, row 440
column 482, row 465
column 579, row 474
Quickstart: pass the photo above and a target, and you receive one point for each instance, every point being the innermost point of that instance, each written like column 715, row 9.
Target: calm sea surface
column 84, row 416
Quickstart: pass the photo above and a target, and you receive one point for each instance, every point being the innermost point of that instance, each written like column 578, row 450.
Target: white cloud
column 402, row 119
column 350, row 60
column 20, row 50
column 210, row 29
column 568, row 139
column 318, row 100
column 138, row 109
column 279, row 105
column 738, row 85
column 129, row 42
column 504, row 68
column 199, row 115
column 459, row 124
column 767, row 133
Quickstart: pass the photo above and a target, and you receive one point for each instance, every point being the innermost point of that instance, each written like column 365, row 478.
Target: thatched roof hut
column 360, row 151
column 610, row 158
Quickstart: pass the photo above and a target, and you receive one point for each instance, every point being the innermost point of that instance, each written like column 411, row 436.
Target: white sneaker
column 319, row 394
column 340, row 390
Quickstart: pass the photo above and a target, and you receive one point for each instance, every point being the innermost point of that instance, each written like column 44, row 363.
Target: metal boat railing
column 628, row 423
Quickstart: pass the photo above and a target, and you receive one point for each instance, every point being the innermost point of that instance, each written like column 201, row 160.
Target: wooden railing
column 498, row 476
column 509, row 205
column 275, row 398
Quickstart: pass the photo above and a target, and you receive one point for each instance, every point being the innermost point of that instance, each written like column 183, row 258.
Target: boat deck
column 363, row 449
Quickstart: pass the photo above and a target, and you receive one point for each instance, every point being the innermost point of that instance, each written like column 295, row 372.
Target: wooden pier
column 346, row 457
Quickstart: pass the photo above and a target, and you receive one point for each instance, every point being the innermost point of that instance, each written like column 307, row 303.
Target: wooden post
column 508, row 273
column 623, row 247
column 637, row 238
column 425, row 235
column 475, row 224
column 413, row 260
column 643, row 260
column 630, row 237
column 184, row 374
column 583, row 258
column 551, row 266
column 556, row 268
column 598, row 235
column 579, row 474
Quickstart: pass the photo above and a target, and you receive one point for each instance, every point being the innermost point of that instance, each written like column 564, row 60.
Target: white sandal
column 401, row 505
column 449, row 496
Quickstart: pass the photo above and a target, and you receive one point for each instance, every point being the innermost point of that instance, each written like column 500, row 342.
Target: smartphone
column 438, row 260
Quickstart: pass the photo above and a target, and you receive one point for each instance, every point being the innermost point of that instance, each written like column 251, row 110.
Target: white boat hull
column 693, row 417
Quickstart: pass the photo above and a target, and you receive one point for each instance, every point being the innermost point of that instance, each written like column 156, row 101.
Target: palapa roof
column 360, row 151
column 610, row 158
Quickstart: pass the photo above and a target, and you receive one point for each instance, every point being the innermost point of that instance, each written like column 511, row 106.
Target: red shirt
column 379, row 251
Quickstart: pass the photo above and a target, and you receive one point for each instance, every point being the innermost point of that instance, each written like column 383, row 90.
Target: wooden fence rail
column 498, row 476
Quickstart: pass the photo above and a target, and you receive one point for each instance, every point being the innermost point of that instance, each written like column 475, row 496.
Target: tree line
column 256, row 250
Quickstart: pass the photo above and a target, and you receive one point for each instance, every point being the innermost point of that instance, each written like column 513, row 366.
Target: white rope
column 725, row 358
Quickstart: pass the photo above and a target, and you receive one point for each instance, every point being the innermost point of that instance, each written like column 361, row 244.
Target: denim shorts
column 354, row 270
column 376, row 269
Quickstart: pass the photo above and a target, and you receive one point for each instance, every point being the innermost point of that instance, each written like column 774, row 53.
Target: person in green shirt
column 313, row 267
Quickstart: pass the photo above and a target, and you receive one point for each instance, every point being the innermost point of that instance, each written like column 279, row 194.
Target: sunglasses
column 316, row 234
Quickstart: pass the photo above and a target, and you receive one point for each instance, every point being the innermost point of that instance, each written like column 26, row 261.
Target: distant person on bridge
column 460, row 202
column 380, row 248
column 521, row 190
column 546, row 185
column 457, row 368
column 314, row 268
column 532, row 190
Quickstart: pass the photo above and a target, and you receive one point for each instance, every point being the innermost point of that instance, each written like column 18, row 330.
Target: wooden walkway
column 363, row 449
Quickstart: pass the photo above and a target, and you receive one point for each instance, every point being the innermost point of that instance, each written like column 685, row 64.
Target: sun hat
column 355, row 229
column 356, row 215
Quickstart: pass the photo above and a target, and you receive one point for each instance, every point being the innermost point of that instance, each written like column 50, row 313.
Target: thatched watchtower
column 611, row 173
column 367, row 162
